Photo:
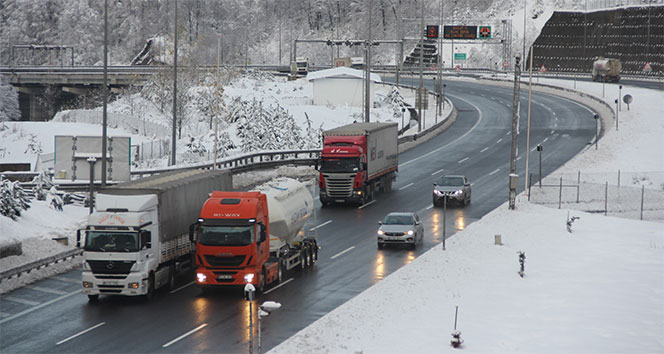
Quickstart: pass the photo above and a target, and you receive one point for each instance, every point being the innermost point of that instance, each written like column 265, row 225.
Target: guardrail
column 38, row 264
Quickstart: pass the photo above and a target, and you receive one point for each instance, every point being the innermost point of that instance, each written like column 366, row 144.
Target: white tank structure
column 289, row 204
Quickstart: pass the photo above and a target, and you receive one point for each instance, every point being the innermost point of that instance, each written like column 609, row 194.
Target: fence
column 606, row 4
column 153, row 149
column 115, row 120
column 632, row 195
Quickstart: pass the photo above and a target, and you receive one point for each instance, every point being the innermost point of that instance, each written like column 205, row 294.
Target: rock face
column 570, row 41
column 13, row 248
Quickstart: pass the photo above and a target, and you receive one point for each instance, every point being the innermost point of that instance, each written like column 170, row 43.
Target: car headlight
column 410, row 232
column 249, row 278
column 201, row 277
column 381, row 232
column 459, row 192
column 437, row 192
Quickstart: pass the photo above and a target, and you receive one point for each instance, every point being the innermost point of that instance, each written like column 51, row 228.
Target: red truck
column 357, row 160
column 253, row 237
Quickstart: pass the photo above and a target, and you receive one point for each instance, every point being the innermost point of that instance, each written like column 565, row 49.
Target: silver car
column 455, row 188
column 400, row 228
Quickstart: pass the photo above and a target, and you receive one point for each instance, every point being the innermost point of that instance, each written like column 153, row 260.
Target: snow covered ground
column 599, row 289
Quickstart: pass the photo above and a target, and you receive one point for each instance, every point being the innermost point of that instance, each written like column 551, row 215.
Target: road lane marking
column 439, row 171
column 533, row 149
column 485, row 149
column 463, row 160
column 545, row 139
column 519, row 158
column 45, row 290
column 342, row 252
column 185, row 335
column 406, row 186
column 2, row 314
column 479, row 112
column 74, row 281
column 508, row 132
column 80, row 333
column 499, row 140
column 20, row 301
column 494, row 172
column 39, row 306
column 182, row 287
column 366, row 205
column 319, row 226
column 278, row 286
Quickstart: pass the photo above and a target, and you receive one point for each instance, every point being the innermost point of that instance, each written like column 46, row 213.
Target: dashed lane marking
column 464, row 160
column 278, row 286
column 494, row 172
column 406, row 186
column 342, row 252
column 366, row 205
column 485, row 149
column 182, row 287
column 185, row 335
column 499, row 140
column 319, row 226
column 439, row 171
column 80, row 333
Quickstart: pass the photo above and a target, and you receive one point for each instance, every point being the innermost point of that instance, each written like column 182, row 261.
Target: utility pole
column 175, row 84
column 421, row 87
column 104, row 123
column 515, row 132
column 530, row 97
column 367, row 65
column 439, row 81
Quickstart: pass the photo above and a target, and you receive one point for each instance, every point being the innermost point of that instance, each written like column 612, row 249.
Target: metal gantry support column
column 515, row 120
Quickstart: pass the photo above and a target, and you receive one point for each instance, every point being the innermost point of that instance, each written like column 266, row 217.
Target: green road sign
column 459, row 56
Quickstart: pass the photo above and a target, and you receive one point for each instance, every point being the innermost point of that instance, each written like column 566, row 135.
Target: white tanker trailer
column 231, row 235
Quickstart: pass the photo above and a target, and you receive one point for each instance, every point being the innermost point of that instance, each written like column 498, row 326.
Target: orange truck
column 253, row 237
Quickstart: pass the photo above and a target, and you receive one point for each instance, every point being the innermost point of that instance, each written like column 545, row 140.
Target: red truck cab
column 232, row 246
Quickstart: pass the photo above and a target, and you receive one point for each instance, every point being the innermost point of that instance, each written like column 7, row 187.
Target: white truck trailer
column 136, row 241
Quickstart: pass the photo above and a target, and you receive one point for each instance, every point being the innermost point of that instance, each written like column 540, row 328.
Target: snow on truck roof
column 341, row 72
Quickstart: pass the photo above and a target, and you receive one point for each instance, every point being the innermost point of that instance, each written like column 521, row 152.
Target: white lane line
column 366, row 205
column 185, row 335
column 545, row 139
column 278, row 286
column 519, row 158
column 20, row 301
column 508, row 133
column 81, row 332
column 439, row 171
column 406, row 186
column 45, row 290
column 552, row 132
column 74, row 281
column 453, row 141
column 319, row 226
column 342, row 252
column 494, row 172
column 429, row 207
column 533, row 149
column 39, row 306
column 182, row 287
column 485, row 149
column 463, row 160
column 499, row 140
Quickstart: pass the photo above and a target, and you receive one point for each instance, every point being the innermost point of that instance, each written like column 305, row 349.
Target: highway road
column 52, row 316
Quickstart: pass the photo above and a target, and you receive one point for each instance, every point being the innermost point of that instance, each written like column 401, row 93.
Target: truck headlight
column 249, row 278
column 201, row 277
column 87, row 284
column 132, row 285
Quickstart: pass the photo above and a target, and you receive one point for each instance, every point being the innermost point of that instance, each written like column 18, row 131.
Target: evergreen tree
column 13, row 199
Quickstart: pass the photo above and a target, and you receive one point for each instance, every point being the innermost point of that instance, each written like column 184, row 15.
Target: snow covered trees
column 13, row 199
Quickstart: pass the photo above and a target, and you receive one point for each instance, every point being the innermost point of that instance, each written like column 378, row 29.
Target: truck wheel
column 307, row 256
column 150, row 294
column 314, row 252
column 261, row 284
column 93, row 298
column 280, row 273
column 302, row 258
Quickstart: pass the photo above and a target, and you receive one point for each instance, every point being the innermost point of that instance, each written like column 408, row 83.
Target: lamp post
column 104, row 123
column 539, row 177
column 596, row 129
column 92, row 161
column 619, row 95
column 617, row 103
column 263, row 311
column 444, row 218
column 403, row 111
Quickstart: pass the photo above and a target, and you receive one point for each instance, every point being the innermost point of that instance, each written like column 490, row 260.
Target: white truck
column 253, row 237
column 136, row 241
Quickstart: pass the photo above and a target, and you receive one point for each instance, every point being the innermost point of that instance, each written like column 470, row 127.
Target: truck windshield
column 339, row 165
column 110, row 241
column 226, row 235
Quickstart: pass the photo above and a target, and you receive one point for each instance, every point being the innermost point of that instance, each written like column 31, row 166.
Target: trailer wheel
column 280, row 272
column 314, row 252
column 302, row 260
column 93, row 298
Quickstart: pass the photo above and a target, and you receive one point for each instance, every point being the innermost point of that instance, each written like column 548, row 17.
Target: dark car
column 455, row 188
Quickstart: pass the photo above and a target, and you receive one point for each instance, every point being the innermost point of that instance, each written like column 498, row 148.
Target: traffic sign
column 506, row 64
column 460, row 32
column 432, row 32
column 458, row 67
column 485, row 32
column 542, row 69
column 459, row 56
column 647, row 67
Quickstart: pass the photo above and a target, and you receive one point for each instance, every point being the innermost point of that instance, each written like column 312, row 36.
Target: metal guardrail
column 38, row 264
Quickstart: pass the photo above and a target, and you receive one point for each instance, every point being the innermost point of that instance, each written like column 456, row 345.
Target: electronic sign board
column 460, row 32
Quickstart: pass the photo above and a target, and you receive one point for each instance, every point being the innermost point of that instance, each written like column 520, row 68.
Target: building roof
column 342, row 72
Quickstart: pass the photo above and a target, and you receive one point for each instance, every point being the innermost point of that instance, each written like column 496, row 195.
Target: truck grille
column 111, row 267
column 339, row 186
column 215, row 261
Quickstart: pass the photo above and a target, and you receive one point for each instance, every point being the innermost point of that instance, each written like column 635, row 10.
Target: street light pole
column 515, row 124
column 421, row 87
column 444, row 218
column 175, row 85
column 530, row 96
column 596, row 129
column 104, row 123
column 367, row 64
column 91, row 202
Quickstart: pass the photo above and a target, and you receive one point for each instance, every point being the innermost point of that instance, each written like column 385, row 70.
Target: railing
column 27, row 268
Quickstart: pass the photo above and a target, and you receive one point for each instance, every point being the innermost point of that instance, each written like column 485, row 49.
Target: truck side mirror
column 78, row 238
